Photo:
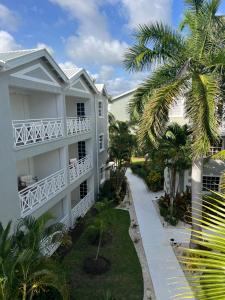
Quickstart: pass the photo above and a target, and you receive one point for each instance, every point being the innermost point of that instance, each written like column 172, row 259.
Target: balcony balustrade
column 80, row 167
column 35, row 195
column 29, row 132
column 49, row 245
column 82, row 207
column 78, row 125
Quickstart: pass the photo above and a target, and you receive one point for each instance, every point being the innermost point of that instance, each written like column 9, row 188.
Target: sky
column 90, row 34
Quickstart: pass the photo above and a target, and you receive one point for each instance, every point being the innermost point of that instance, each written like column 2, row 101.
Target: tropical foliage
column 25, row 273
column 205, row 266
column 190, row 65
column 121, row 143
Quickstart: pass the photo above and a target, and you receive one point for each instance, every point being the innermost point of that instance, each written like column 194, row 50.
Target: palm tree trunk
column 99, row 244
column 196, row 185
column 173, row 188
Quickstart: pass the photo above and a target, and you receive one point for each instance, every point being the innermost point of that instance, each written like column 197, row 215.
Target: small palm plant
column 205, row 265
column 101, row 223
column 24, row 271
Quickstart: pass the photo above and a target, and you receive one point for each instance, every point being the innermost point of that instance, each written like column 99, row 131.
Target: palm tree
column 175, row 150
column 190, row 65
column 24, row 270
column 32, row 233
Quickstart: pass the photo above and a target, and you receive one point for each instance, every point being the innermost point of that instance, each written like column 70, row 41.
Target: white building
column 212, row 169
column 119, row 106
column 54, row 138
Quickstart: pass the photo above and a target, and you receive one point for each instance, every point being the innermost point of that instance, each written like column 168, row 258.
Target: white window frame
column 216, row 147
column 102, row 174
column 207, row 189
column 103, row 146
column 102, row 109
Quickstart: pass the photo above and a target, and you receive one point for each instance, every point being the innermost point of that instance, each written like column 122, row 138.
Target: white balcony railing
column 28, row 132
column 49, row 245
column 78, row 125
column 42, row 191
column 82, row 207
column 80, row 167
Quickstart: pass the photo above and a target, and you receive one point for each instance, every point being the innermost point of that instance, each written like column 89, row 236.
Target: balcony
column 35, row 195
column 79, row 167
column 30, row 132
column 78, row 125
column 82, row 207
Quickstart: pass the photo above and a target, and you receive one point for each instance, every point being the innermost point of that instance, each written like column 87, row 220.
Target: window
column 83, row 189
column 81, row 149
column 102, row 174
column 216, row 147
column 80, row 109
column 101, row 142
column 211, row 183
column 100, row 109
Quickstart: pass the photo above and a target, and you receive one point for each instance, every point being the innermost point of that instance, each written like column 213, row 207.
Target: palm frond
column 220, row 155
column 154, row 44
column 155, row 117
column 205, row 267
column 162, row 76
column 201, row 111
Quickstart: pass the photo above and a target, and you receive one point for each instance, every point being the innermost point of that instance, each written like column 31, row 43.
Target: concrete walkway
column 166, row 273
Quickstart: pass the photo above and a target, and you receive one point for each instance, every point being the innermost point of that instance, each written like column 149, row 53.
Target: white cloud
column 122, row 84
column 68, row 65
column 90, row 50
column 87, row 13
column 7, row 42
column 43, row 45
column 8, row 19
column 92, row 43
column 145, row 11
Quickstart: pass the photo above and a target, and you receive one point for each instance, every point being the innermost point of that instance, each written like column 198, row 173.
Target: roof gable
column 37, row 73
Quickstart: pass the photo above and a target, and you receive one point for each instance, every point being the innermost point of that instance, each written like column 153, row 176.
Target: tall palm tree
column 191, row 65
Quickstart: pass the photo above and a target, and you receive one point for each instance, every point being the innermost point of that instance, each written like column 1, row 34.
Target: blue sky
column 86, row 33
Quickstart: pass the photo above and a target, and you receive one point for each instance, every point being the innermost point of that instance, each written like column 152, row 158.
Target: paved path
column 164, row 268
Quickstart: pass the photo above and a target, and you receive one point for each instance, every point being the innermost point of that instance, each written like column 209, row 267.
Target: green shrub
column 107, row 190
column 154, row 181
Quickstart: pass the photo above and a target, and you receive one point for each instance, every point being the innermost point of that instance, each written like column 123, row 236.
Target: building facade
column 119, row 106
column 213, row 170
column 54, row 138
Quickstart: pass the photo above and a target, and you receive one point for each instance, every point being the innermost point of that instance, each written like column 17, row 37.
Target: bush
column 152, row 176
column 107, row 190
column 181, row 208
column 154, row 181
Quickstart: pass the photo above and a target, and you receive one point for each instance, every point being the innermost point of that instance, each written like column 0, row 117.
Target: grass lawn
column 137, row 160
column 123, row 280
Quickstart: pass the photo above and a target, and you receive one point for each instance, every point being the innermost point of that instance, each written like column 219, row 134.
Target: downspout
column 96, row 138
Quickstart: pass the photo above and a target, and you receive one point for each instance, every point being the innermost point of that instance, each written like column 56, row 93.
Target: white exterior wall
column 211, row 167
column 119, row 107
column 102, row 128
column 23, row 99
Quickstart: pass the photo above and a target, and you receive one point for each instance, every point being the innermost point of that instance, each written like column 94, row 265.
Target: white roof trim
column 123, row 94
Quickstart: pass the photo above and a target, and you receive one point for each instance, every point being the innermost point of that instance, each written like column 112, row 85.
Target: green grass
column 123, row 280
column 137, row 160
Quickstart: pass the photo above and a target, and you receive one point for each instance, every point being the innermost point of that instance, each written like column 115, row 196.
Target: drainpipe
column 96, row 138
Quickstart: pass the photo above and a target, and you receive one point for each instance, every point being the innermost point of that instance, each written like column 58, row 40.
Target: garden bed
column 124, row 278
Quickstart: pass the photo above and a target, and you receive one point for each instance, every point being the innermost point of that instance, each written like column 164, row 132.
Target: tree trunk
column 173, row 188
column 196, row 185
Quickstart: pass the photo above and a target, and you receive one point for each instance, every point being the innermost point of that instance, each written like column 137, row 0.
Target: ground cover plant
column 124, row 278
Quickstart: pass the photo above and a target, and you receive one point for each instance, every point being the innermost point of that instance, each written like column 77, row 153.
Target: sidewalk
column 166, row 273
